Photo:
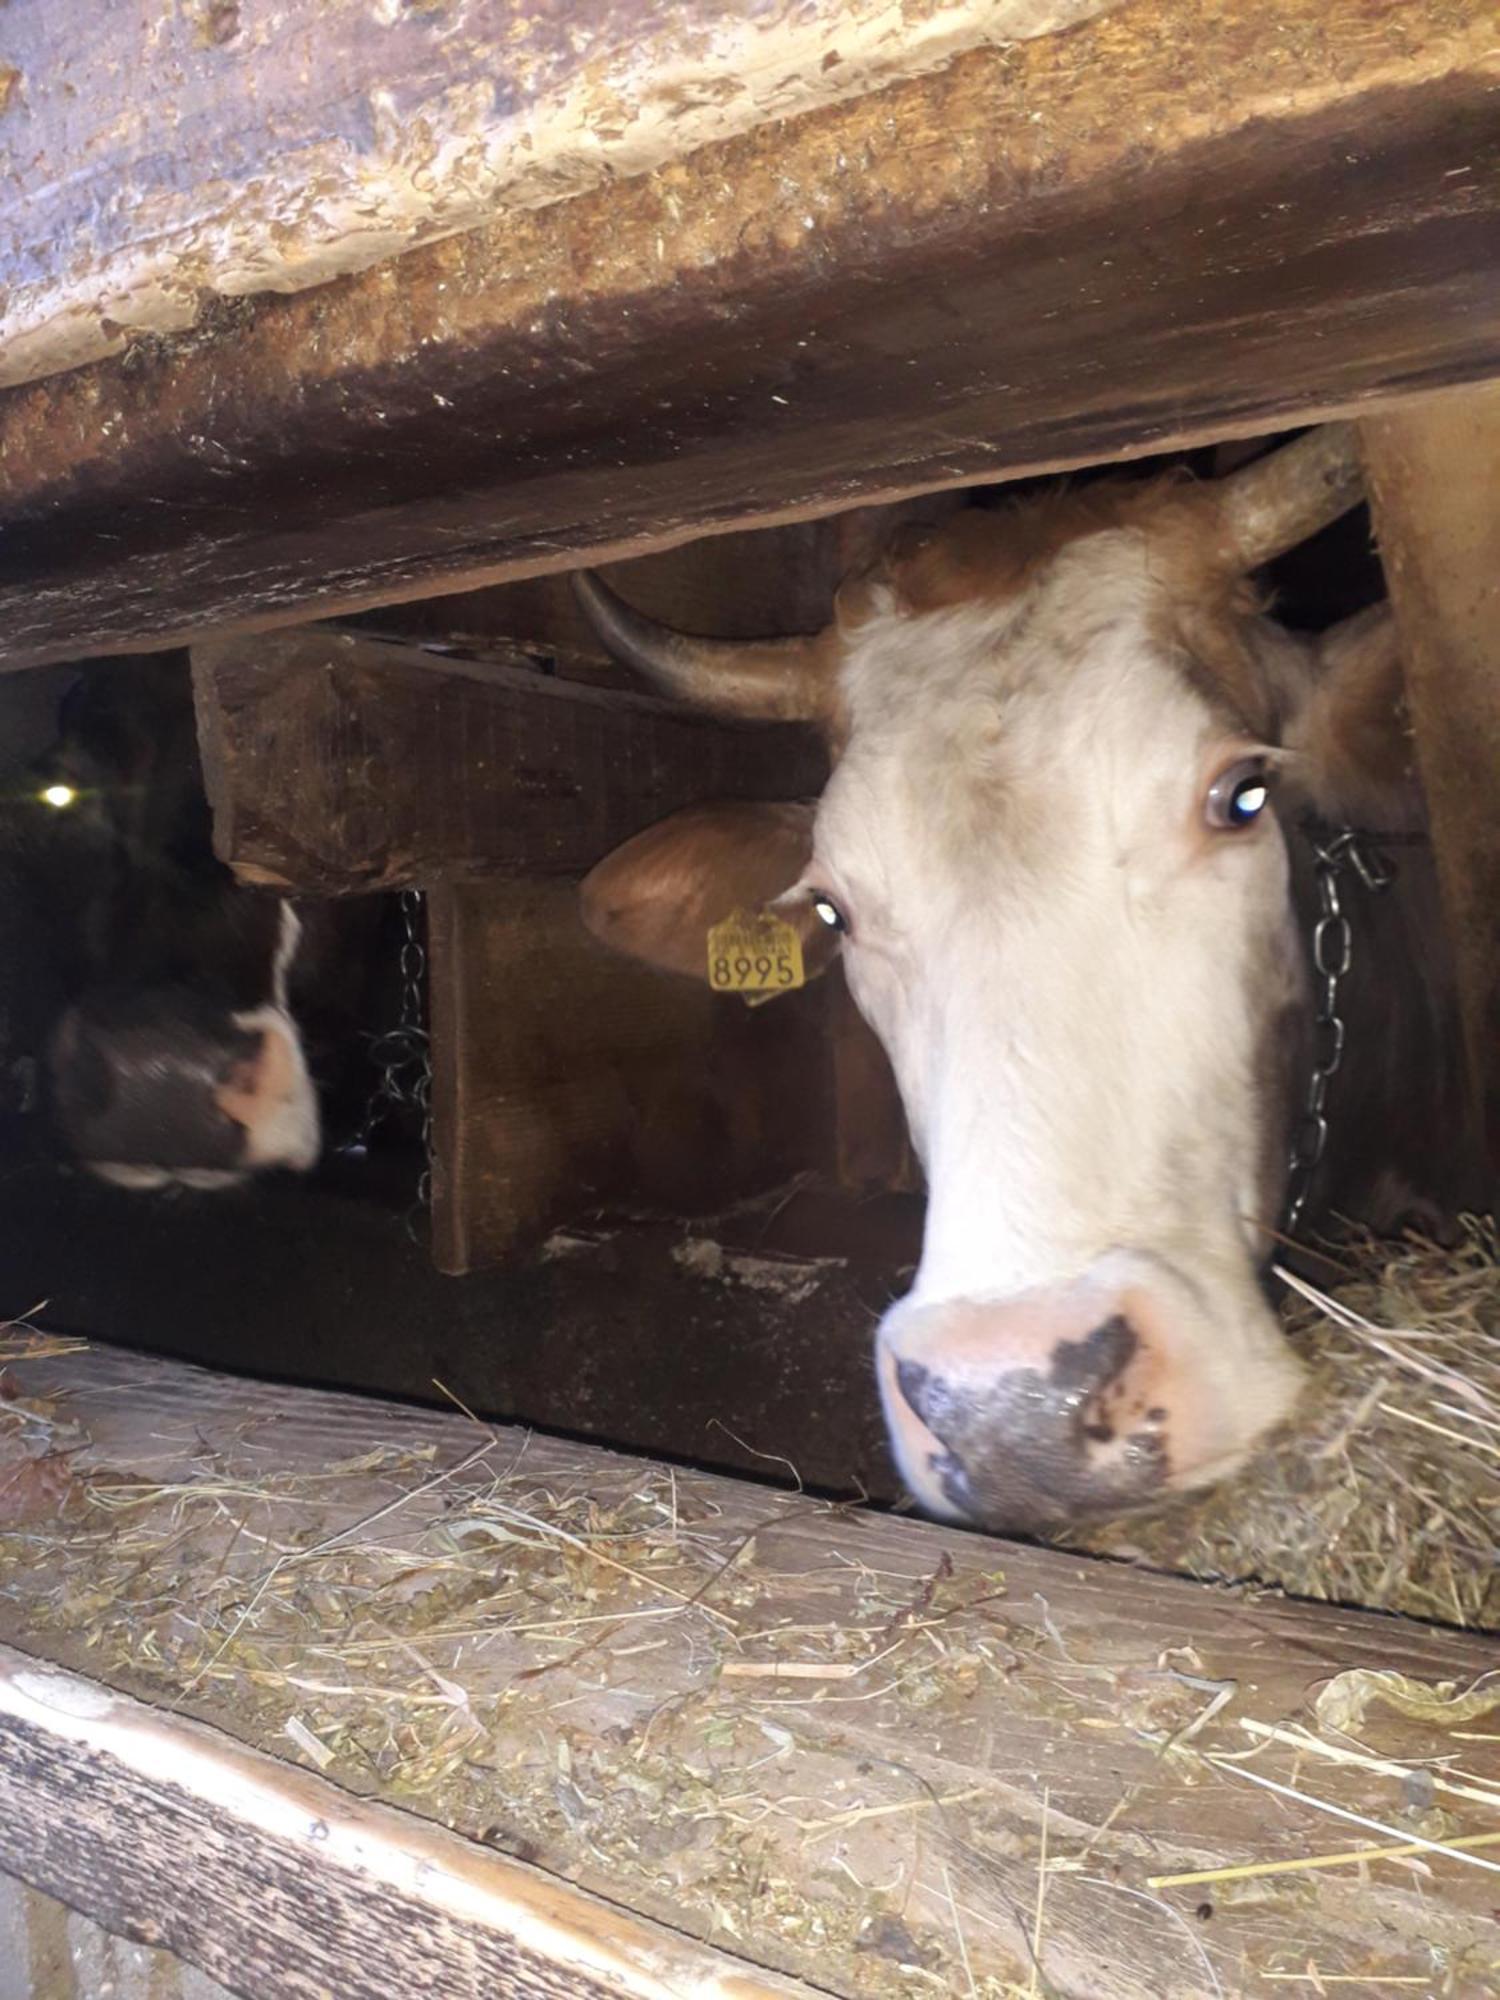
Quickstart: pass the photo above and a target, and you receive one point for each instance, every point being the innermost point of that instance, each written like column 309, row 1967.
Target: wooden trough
column 331, row 1695
column 325, row 1695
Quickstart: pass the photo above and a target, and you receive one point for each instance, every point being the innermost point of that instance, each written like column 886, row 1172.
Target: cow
column 1068, row 857
column 149, row 1004
column 156, row 1086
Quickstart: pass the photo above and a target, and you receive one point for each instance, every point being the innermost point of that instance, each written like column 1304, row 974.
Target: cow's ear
column 1353, row 756
column 659, row 895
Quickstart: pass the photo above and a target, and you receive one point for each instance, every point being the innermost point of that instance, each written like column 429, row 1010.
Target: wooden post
column 1434, row 480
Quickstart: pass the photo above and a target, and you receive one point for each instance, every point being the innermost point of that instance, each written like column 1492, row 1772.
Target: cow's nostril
column 1098, row 1360
column 915, row 1382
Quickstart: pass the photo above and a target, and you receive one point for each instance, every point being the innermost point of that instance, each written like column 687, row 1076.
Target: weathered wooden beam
column 566, row 1077
column 1434, row 480
column 1177, row 222
column 277, row 1882
column 337, row 763
column 226, row 147
column 856, row 1744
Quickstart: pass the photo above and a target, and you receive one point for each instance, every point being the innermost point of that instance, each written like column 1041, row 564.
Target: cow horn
column 1290, row 494
column 773, row 680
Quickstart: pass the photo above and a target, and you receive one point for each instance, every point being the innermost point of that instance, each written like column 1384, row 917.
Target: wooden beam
column 565, row 1077
column 1434, row 480
column 173, row 1834
column 337, row 763
column 228, row 147
column 1177, row 222
column 854, row 1744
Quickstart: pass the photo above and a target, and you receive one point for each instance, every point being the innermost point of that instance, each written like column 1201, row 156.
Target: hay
column 471, row 1646
column 1385, row 1490
column 666, row 1688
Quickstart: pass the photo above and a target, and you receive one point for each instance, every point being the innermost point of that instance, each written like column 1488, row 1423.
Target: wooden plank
column 747, row 584
column 1434, row 477
column 337, row 763
column 1176, row 223
column 238, row 146
column 854, row 1743
column 173, row 1834
column 565, row 1076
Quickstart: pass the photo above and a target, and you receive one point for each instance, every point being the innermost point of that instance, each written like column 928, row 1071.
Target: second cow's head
column 1051, row 854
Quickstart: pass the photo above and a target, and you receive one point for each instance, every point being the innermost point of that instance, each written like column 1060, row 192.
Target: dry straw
column 1385, row 1490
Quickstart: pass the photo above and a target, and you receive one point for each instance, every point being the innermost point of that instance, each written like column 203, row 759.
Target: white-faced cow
column 1062, row 855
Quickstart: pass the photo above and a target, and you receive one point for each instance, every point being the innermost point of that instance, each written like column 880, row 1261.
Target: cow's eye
column 1238, row 796
column 828, row 912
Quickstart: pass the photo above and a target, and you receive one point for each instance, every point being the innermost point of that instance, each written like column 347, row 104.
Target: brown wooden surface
column 859, row 1741
column 1183, row 220
column 158, row 159
column 566, row 1076
column 338, row 763
column 749, row 584
column 1434, row 477
column 281, row 1885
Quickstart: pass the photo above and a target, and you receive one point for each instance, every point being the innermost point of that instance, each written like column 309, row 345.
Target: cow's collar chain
column 1337, row 851
column 403, row 1056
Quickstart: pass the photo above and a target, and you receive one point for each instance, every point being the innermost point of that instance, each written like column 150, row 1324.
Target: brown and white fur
column 1094, row 997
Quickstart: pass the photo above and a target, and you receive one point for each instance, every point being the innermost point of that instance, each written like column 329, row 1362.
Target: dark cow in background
column 154, row 1013
column 1067, row 855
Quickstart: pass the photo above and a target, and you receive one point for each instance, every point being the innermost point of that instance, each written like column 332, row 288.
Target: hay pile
column 1385, row 1491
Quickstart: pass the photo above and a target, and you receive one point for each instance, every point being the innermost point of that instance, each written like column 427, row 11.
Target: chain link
column 1332, row 955
column 403, row 1055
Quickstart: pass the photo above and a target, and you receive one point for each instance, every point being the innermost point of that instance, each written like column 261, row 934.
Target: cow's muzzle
column 1024, row 1413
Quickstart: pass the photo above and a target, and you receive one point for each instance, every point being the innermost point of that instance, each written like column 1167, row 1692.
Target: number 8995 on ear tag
column 754, row 953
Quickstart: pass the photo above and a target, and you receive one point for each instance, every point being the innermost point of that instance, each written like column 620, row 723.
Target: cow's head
column 155, row 1086
column 1052, row 853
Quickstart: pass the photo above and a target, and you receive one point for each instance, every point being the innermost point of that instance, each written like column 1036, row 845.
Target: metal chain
column 403, row 1055
column 1332, row 953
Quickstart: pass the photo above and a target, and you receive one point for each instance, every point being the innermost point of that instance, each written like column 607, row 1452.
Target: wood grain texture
column 226, row 147
column 1434, row 479
column 337, row 763
column 286, row 1888
column 565, row 1076
column 1177, row 222
column 963, row 1703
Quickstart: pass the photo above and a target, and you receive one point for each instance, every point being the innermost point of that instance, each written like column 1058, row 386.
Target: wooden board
column 858, row 1748
column 227, row 147
column 566, row 1077
column 1178, row 222
column 279, row 1883
column 1434, row 477
column 337, row 763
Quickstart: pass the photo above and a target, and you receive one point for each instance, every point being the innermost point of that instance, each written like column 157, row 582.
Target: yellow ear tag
column 754, row 953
